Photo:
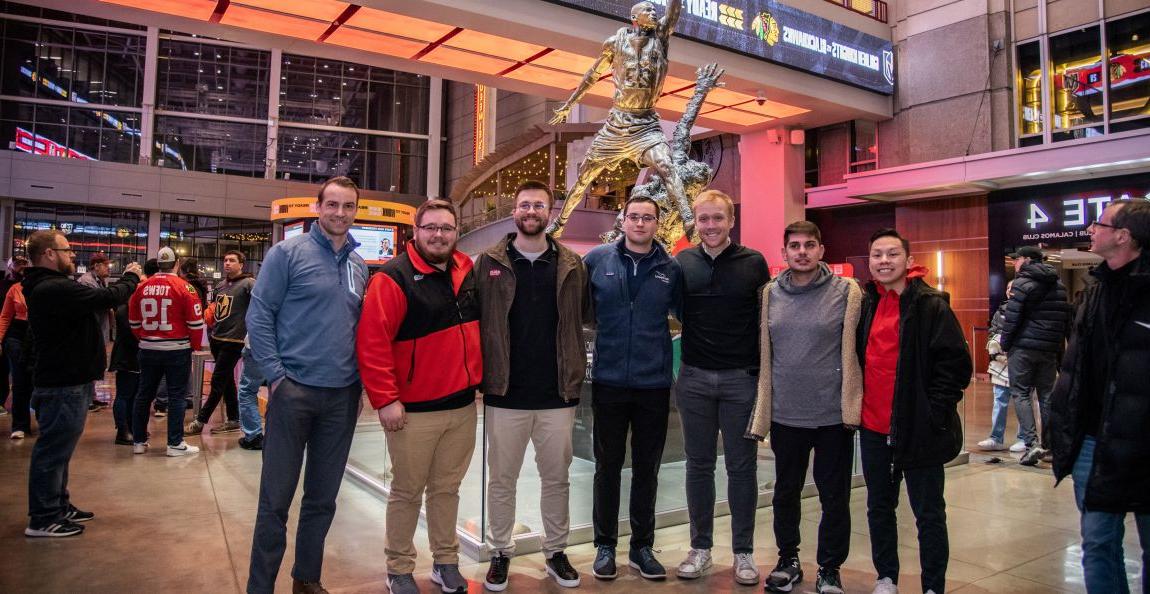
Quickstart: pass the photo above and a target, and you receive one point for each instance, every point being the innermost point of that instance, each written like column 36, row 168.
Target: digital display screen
column 376, row 242
column 775, row 32
column 293, row 229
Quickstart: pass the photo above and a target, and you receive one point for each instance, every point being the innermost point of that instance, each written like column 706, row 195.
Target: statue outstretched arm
column 671, row 19
column 601, row 65
column 706, row 78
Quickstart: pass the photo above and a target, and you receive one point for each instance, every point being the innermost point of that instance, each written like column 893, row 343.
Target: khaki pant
column 432, row 453
column 508, row 432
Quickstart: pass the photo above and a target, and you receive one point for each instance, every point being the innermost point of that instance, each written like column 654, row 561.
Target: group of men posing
column 807, row 359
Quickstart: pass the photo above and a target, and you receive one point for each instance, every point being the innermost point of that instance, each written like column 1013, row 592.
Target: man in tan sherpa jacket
column 810, row 398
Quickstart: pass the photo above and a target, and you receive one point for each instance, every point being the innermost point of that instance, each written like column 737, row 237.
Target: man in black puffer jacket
column 1100, row 409
column 1034, row 332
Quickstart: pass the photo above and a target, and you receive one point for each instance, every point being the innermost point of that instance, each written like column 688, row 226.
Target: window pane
column 208, row 238
column 121, row 234
column 1129, row 41
column 1029, row 89
column 212, row 146
column 208, row 79
column 1077, row 72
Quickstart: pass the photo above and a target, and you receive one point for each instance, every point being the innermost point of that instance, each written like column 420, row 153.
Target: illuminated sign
column 378, row 211
column 39, row 145
column 778, row 33
column 1061, row 214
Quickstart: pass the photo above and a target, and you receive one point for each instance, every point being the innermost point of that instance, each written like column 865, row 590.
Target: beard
column 523, row 224
column 433, row 258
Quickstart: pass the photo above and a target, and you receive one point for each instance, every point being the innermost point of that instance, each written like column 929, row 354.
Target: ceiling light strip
column 438, row 42
column 339, row 21
column 686, row 88
column 218, row 13
column 519, row 65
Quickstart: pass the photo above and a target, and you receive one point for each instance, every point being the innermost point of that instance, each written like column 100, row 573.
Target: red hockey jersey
column 166, row 315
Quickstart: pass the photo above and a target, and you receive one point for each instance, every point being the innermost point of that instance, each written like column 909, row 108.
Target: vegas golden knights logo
column 223, row 307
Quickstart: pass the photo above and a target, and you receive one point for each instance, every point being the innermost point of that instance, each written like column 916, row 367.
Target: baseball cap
column 97, row 258
column 1029, row 251
column 166, row 255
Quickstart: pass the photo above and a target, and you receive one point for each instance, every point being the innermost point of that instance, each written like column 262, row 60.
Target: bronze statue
column 694, row 175
column 638, row 57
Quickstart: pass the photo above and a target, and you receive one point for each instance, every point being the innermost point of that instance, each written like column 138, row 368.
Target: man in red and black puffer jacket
column 419, row 357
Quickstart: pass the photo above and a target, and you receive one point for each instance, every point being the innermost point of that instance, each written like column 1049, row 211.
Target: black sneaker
column 123, row 438
column 785, row 575
column 496, row 580
column 560, row 568
column 255, row 443
column 57, row 530
column 828, row 581
column 77, row 515
column 604, row 566
column 1032, row 456
column 649, row 567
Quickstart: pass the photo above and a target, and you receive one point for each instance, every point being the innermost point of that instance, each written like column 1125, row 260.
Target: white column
column 273, row 113
column 153, row 233
column 435, row 138
column 148, row 117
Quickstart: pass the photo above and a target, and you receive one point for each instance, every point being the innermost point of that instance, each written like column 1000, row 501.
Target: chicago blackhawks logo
column 766, row 28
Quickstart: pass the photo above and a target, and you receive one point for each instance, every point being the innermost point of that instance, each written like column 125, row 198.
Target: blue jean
column 61, row 413
column 21, row 383
column 1102, row 532
column 176, row 367
column 999, row 412
column 127, row 386
column 712, row 402
column 250, row 381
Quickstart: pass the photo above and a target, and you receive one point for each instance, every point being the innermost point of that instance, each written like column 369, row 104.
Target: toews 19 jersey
column 166, row 315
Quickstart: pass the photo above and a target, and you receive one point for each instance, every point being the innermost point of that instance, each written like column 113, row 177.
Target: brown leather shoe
column 298, row 587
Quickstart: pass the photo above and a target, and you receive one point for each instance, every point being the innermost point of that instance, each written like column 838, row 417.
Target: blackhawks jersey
column 166, row 315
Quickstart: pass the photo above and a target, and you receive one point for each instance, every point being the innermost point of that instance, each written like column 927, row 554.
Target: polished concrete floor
column 185, row 524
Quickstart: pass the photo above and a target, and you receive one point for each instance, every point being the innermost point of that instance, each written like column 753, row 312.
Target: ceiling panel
column 397, row 24
column 196, row 9
column 446, row 56
column 324, row 10
column 545, row 76
column 772, row 108
column 270, row 22
column 734, row 116
column 493, row 45
column 567, row 61
column 374, row 42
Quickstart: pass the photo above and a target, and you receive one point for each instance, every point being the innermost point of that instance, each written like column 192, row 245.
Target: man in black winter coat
column 68, row 358
column 1100, row 409
column 1033, row 334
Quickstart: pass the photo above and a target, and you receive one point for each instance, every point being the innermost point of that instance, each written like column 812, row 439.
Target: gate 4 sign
column 1060, row 214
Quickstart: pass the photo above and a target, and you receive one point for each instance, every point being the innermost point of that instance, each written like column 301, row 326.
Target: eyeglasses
column 69, row 250
column 433, row 229
column 1101, row 224
column 635, row 218
column 537, row 207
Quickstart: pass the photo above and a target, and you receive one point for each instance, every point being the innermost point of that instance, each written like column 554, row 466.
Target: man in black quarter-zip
column 531, row 288
column 634, row 285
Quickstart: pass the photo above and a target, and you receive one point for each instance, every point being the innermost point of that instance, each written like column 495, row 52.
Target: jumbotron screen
column 775, row 32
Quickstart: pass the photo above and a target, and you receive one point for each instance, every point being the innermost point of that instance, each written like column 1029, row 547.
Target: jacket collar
column 658, row 252
column 459, row 266
column 566, row 257
column 318, row 236
column 731, row 248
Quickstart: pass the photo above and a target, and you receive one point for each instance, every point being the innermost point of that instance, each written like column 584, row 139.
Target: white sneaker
column 991, row 445
column 1018, row 447
column 746, row 572
column 140, row 448
column 697, row 563
column 182, row 450
column 16, row 435
column 885, row 586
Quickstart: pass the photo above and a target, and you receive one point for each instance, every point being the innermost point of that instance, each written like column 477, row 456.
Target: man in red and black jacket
column 419, row 358
column 915, row 367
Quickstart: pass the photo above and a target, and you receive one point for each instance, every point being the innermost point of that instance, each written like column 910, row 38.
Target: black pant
column 924, row 487
column 322, row 422
column 227, row 355
column 834, row 456
column 127, row 385
column 644, row 413
column 61, row 413
column 21, row 384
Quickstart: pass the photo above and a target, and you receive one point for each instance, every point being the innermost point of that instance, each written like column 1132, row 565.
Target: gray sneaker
column 402, row 584
column 448, row 578
column 226, row 427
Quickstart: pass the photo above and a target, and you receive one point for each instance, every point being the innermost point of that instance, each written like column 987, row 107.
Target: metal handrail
column 875, row 9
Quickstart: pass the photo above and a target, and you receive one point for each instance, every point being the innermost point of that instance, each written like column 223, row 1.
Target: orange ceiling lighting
column 494, row 45
column 734, row 116
column 195, row 9
column 380, row 44
column 773, row 109
column 545, row 77
column 673, row 103
column 397, row 24
column 566, row 61
column 446, row 56
column 323, row 10
column 271, row 22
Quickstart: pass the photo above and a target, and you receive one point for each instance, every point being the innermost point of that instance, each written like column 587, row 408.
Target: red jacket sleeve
column 9, row 311
column 384, row 308
column 194, row 317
